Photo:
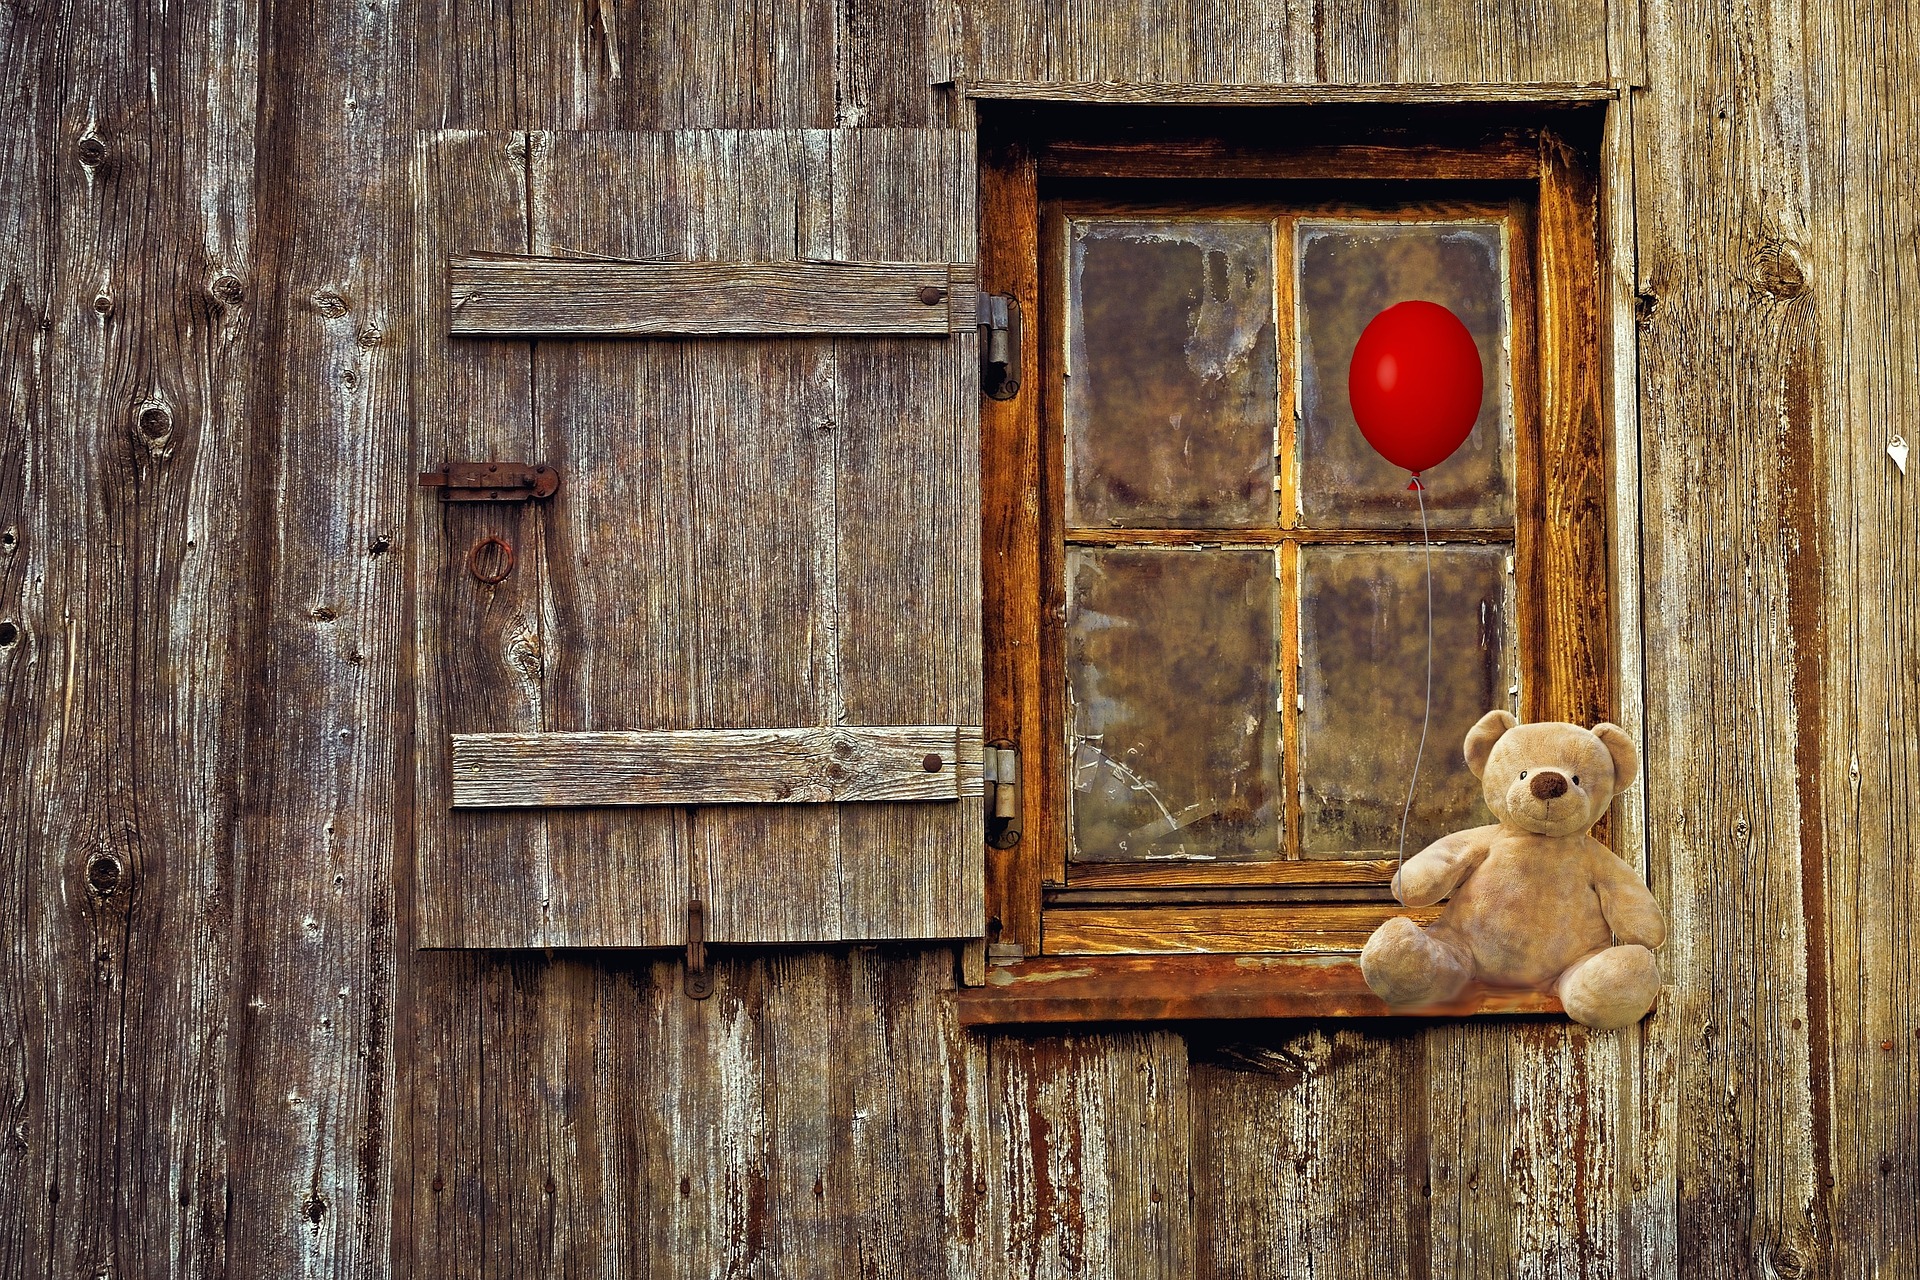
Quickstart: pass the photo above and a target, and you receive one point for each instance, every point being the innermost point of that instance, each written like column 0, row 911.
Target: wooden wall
column 219, row 1053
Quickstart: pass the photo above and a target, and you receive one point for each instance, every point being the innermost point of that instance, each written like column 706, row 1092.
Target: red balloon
column 1415, row 384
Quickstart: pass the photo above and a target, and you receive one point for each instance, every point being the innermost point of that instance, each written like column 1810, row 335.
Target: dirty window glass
column 1348, row 272
column 1363, row 671
column 1172, row 660
column 1171, row 382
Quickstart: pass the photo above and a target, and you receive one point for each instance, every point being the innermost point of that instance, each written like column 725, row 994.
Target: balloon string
column 1427, row 718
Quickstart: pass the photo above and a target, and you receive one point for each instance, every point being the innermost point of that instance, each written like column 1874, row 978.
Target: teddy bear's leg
column 1611, row 988
column 1407, row 965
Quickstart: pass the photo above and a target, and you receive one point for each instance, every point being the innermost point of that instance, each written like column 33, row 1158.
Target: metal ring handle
column 473, row 559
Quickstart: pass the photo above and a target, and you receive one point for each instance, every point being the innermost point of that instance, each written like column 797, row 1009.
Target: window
column 1206, row 596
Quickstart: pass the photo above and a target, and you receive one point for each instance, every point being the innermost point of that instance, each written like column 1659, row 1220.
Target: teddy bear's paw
column 1404, row 965
column 1612, row 989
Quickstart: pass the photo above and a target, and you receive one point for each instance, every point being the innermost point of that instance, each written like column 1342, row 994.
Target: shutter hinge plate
column 1000, row 762
column 999, row 346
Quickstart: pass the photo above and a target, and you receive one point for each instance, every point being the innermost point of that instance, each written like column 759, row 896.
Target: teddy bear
column 1535, row 900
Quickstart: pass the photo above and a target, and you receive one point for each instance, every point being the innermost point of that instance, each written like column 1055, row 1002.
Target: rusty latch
column 492, row 481
column 699, row 979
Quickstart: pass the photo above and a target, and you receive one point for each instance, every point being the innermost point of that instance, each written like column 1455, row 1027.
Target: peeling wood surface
column 220, row 1052
column 716, row 766
column 531, row 296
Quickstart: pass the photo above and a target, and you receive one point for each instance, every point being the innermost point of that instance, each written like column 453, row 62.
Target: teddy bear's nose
column 1548, row 785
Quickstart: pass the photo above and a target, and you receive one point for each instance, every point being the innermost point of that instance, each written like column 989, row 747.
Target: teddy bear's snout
column 1548, row 785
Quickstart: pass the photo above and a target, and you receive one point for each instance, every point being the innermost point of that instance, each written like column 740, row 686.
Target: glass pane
column 1172, row 676
column 1349, row 273
column 1363, row 674
column 1172, row 387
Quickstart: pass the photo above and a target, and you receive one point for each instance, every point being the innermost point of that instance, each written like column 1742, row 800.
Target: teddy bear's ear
column 1482, row 736
column 1626, row 761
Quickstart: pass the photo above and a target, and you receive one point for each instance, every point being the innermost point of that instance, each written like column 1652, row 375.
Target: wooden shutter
column 773, row 531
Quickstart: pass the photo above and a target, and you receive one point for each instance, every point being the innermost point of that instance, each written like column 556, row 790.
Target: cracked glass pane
column 1363, row 674
column 1171, row 393
column 1348, row 273
column 1172, row 675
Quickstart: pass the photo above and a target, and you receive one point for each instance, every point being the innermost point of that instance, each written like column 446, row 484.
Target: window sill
column 1069, row 989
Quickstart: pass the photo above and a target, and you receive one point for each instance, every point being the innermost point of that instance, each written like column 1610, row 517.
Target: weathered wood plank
column 1731, row 443
column 1859, row 759
column 319, row 845
column 1305, row 926
column 128, row 315
column 483, row 649
column 556, row 296
column 715, row 766
column 906, row 575
column 1090, row 1158
column 1143, row 93
column 1309, row 1151
column 1219, row 45
column 1129, row 988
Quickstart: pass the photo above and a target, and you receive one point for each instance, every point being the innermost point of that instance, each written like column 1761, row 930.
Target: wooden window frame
column 1561, row 571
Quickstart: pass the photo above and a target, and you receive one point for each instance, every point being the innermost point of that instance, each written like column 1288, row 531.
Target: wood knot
column 226, row 289
column 1781, row 268
column 104, row 874
column 153, row 428
column 92, row 148
column 9, row 635
column 369, row 337
column 9, row 539
column 103, row 304
column 329, row 303
column 314, row 1207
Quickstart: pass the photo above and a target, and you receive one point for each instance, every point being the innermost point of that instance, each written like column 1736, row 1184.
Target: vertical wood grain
column 1091, row 1156
column 1309, row 1152
column 1730, row 448
column 906, row 520
column 1861, row 758
column 128, row 308
column 312, row 986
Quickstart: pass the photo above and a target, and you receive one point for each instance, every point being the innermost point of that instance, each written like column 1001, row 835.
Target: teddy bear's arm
column 1438, row 869
column 1626, row 902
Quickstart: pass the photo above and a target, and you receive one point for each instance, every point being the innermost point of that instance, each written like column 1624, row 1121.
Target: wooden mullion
column 1051, row 753
column 1290, row 697
column 1257, row 537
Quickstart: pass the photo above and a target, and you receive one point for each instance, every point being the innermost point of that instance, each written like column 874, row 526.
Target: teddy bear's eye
column 1523, row 775
column 1576, row 779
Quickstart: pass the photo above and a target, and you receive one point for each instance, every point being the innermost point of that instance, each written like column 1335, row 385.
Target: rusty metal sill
column 1165, row 988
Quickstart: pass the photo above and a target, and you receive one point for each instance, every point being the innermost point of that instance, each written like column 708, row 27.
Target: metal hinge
column 1000, row 763
column 492, row 481
column 999, row 346
column 699, row 983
